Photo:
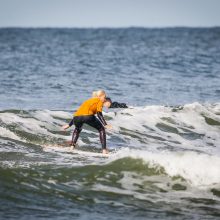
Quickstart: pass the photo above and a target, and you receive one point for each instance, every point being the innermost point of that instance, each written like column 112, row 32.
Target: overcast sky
column 109, row 13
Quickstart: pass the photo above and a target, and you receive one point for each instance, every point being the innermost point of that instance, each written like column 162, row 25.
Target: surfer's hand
column 105, row 151
column 64, row 127
column 108, row 126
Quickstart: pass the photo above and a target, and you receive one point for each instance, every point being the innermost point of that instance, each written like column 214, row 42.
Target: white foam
column 27, row 124
column 198, row 169
column 6, row 133
column 144, row 120
column 39, row 122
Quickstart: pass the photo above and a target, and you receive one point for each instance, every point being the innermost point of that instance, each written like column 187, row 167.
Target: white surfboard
column 61, row 148
column 89, row 153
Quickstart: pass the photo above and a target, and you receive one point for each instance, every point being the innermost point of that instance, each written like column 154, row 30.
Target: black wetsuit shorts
column 91, row 120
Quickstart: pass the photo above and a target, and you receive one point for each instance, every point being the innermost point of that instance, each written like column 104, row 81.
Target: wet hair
column 107, row 99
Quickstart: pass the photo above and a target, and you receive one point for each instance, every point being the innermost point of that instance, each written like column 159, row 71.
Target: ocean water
column 164, row 160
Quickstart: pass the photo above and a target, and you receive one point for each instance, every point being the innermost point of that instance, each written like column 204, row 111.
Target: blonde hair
column 98, row 93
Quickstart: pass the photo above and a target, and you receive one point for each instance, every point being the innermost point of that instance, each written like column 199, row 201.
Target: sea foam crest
column 198, row 169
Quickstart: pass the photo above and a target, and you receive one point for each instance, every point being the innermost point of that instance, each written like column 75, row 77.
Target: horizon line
column 106, row 27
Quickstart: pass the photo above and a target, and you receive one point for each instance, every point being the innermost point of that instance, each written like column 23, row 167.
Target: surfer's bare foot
column 64, row 127
column 108, row 126
column 72, row 146
column 105, row 151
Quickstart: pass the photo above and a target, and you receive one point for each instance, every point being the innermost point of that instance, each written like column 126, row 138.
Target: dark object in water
column 118, row 105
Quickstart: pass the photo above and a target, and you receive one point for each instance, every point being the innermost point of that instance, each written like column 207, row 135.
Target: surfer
column 86, row 114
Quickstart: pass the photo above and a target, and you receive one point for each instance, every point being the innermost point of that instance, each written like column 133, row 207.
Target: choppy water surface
column 57, row 68
column 165, row 148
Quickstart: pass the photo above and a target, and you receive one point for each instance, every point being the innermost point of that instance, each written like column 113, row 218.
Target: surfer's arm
column 101, row 118
column 71, row 123
column 68, row 125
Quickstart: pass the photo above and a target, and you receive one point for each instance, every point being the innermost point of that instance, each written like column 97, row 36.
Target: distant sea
column 164, row 158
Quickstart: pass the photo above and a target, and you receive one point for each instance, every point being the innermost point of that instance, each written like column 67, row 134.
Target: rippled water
column 165, row 148
column 57, row 68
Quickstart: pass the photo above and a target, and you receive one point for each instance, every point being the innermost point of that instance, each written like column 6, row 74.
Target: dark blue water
column 57, row 68
column 164, row 149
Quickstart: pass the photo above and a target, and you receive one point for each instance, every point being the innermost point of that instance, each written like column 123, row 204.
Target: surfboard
column 89, row 153
column 66, row 148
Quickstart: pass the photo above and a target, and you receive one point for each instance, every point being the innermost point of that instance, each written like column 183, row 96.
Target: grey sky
column 109, row 13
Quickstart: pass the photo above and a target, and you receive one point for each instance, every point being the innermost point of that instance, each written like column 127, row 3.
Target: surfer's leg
column 78, row 122
column 95, row 123
column 75, row 136
column 102, row 136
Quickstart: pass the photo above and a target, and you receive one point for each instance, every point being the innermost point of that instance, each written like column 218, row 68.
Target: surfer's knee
column 78, row 129
column 102, row 129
